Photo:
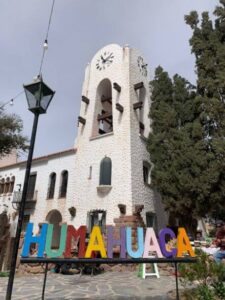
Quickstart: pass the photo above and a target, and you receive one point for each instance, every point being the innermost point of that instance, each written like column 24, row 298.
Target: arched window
column 51, row 186
column 12, row 182
column 142, row 96
column 64, row 182
column 2, row 183
column 105, row 171
column 7, row 183
column 54, row 217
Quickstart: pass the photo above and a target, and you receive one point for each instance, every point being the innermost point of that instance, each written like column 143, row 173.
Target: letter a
column 151, row 244
column 96, row 243
column 183, row 243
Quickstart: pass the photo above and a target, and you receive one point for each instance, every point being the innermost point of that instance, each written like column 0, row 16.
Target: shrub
column 208, row 275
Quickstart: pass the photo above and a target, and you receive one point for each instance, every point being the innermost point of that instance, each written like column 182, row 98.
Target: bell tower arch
column 103, row 115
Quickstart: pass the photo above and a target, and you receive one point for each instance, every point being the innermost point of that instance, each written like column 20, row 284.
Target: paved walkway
column 109, row 285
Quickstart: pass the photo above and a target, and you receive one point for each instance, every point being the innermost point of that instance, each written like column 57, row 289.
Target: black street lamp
column 39, row 96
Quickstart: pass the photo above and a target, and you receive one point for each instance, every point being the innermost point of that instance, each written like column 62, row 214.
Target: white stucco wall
column 91, row 150
column 125, row 146
column 43, row 167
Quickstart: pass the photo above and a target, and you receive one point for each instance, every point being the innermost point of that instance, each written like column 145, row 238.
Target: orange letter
column 183, row 243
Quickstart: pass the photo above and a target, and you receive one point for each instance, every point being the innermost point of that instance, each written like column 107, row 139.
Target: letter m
column 74, row 234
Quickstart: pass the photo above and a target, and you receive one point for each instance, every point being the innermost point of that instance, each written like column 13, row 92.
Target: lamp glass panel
column 45, row 100
column 46, row 96
column 33, row 94
column 31, row 100
column 39, row 96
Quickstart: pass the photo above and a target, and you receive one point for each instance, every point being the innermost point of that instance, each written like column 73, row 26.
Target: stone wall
column 134, row 221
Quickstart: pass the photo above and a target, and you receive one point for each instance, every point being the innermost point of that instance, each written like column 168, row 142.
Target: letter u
column 62, row 244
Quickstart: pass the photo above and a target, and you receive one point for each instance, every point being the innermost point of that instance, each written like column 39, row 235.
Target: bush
column 219, row 289
column 4, row 274
column 207, row 274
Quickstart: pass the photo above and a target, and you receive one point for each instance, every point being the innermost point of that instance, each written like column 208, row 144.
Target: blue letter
column 140, row 236
column 29, row 239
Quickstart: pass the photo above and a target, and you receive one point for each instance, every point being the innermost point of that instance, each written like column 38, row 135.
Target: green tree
column 11, row 137
column 171, row 142
column 187, row 144
column 208, row 46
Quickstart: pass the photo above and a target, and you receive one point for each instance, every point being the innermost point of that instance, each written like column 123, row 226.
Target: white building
column 109, row 165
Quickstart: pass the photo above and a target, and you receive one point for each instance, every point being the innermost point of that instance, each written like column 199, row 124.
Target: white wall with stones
column 124, row 145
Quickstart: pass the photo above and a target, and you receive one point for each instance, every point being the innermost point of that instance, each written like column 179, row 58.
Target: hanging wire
column 45, row 46
column 11, row 100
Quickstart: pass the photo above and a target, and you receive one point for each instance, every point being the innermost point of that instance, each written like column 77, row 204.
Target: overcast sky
column 79, row 29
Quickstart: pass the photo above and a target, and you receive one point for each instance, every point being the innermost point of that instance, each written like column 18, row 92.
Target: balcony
column 30, row 201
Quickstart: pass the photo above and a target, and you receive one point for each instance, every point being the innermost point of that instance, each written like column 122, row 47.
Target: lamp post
column 39, row 96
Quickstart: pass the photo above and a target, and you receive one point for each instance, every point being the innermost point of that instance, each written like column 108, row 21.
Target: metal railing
column 18, row 195
column 30, row 201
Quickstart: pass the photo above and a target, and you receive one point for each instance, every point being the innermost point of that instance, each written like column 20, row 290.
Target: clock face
column 105, row 60
column 142, row 66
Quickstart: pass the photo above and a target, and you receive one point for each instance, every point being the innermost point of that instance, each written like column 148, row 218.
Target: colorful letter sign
column 147, row 244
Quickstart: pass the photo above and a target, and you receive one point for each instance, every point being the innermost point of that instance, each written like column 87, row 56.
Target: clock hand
column 103, row 59
column 107, row 58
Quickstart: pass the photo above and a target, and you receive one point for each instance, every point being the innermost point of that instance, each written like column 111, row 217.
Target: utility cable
column 11, row 100
column 45, row 46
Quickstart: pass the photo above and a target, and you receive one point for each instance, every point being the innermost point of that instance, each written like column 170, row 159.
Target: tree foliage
column 11, row 137
column 187, row 143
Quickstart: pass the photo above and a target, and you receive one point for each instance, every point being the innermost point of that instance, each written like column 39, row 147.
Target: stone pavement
column 109, row 285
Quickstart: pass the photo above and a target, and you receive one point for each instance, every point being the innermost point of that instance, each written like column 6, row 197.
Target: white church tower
column 112, row 164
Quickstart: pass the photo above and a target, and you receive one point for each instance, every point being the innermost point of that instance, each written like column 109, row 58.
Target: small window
column 146, row 173
column 64, row 182
column 90, row 172
column 31, row 186
column 51, row 186
column 105, row 171
column 97, row 218
column 151, row 220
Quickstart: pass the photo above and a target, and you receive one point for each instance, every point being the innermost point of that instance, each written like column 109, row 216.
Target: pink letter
column 151, row 244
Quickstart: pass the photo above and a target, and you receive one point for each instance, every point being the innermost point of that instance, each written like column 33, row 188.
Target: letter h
column 30, row 239
column 111, row 242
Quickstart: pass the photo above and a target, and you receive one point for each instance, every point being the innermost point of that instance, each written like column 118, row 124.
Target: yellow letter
column 183, row 243
column 96, row 243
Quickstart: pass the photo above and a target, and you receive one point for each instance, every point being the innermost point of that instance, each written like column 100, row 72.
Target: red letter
column 75, row 234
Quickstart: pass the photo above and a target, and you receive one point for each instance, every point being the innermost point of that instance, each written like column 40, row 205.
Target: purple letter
column 162, row 242
column 111, row 242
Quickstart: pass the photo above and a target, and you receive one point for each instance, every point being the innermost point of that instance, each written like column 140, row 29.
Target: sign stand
column 155, row 269
column 44, row 283
column 80, row 261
